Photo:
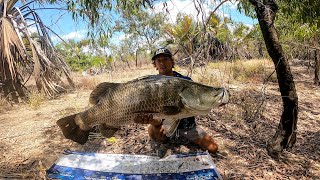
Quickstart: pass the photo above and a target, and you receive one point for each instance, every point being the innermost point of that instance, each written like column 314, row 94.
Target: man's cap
column 161, row 51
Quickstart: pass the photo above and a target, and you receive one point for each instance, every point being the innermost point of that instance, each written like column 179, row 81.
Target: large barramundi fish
column 165, row 97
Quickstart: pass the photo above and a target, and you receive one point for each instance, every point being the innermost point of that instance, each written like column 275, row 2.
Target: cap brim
column 167, row 54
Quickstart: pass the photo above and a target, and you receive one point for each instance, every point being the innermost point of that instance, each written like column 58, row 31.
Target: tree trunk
column 285, row 135
column 114, row 66
column 316, row 68
column 260, row 49
column 127, row 62
column 136, row 58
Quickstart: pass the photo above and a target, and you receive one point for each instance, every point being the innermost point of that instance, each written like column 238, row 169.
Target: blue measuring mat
column 80, row 165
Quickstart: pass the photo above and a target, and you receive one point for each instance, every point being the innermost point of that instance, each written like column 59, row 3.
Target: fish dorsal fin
column 146, row 78
column 101, row 90
column 170, row 126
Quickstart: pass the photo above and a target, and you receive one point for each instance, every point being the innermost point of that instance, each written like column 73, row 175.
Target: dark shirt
column 185, row 123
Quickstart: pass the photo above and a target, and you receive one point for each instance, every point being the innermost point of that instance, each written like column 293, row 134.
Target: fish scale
column 165, row 97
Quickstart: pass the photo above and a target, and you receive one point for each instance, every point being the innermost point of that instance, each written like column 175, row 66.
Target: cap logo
column 160, row 51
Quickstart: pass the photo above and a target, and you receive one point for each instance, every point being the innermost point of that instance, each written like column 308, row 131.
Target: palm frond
column 21, row 53
column 12, row 50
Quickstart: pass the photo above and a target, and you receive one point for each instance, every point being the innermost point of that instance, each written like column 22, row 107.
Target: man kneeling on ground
column 164, row 63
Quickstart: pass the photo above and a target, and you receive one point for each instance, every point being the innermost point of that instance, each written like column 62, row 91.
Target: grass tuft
column 4, row 105
column 35, row 99
column 248, row 70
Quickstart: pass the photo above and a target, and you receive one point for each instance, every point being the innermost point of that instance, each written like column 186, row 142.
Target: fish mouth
column 223, row 97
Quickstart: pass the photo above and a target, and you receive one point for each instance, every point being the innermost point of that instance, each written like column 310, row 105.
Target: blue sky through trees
column 61, row 22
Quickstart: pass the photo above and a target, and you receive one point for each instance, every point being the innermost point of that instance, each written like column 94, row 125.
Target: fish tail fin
column 71, row 130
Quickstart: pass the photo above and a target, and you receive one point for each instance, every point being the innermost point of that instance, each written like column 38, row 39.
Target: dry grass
column 35, row 99
column 4, row 105
column 234, row 72
column 124, row 75
column 247, row 70
column 87, row 83
column 31, row 142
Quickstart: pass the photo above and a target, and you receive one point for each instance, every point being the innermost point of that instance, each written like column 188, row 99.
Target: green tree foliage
column 99, row 12
column 81, row 56
column 183, row 33
column 220, row 38
column 142, row 26
column 304, row 11
column 222, row 30
column 298, row 38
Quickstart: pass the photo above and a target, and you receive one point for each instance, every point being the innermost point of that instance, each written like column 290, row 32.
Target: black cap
column 161, row 51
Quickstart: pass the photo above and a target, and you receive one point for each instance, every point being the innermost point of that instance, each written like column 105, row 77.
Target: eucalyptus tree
column 100, row 14
column 143, row 25
column 144, row 28
column 240, row 41
column 265, row 11
column 24, row 55
column 256, row 37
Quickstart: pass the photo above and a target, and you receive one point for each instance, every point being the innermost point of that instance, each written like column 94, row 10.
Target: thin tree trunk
column 114, row 65
column 136, row 58
column 128, row 64
column 316, row 68
column 285, row 135
column 260, row 49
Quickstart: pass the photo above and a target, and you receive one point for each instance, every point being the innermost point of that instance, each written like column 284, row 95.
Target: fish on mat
column 118, row 104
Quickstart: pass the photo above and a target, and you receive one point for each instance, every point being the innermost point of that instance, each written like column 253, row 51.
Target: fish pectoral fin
column 170, row 126
column 100, row 90
column 171, row 110
column 107, row 131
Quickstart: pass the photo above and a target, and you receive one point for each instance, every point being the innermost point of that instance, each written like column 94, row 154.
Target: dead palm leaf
column 22, row 55
column 12, row 51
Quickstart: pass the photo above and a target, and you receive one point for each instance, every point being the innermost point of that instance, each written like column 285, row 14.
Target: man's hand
column 147, row 119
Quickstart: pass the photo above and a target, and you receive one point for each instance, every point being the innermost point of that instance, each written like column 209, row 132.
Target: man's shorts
column 190, row 134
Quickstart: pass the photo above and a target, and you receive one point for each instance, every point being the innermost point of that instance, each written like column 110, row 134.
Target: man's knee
column 157, row 134
column 206, row 142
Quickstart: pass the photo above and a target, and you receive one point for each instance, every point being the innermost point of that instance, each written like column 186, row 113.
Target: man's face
column 164, row 65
